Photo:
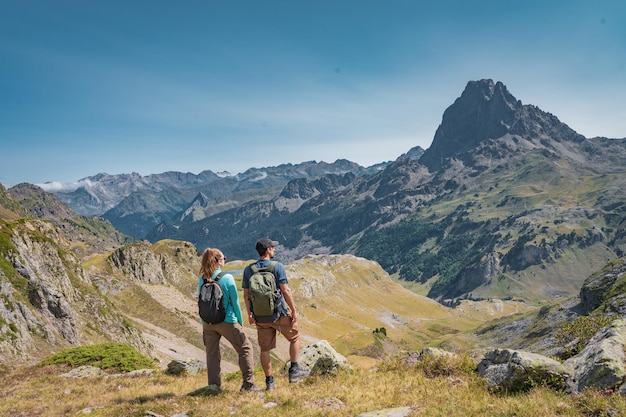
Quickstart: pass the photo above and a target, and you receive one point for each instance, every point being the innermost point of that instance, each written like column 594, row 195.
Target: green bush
column 576, row 334
column 454, row 365
column 113, row 357
column 433, row 366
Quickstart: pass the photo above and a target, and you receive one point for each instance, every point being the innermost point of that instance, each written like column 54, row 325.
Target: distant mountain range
column 508, row 201
column 135, row 204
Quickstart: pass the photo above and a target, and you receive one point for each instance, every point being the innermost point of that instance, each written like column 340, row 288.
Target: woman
column 231, row 328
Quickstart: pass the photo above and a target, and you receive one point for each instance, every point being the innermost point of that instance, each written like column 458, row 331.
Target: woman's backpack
column 211, row 301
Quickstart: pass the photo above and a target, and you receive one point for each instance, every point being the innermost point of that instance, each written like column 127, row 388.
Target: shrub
column 575, row 335
column 114, row 357
column 454, row 365
column 432, row 365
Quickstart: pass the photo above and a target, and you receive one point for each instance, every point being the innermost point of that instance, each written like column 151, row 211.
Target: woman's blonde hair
column 210, row 259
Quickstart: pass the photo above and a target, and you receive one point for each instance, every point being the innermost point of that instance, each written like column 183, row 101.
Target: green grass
column 434, row 388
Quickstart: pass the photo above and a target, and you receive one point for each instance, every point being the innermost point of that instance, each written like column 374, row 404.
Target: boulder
column 185, row 367
column 514, row 370
column 320, row 358
column 601, row 363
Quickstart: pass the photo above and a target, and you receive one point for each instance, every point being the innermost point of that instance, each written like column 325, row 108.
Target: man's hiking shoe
column 296, row 374
column 247, row 387
column 269, row 384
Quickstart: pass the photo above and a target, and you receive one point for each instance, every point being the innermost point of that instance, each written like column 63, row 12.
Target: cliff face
column 48, row 299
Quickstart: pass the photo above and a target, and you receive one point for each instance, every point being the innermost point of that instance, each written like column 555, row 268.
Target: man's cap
column 265, row 243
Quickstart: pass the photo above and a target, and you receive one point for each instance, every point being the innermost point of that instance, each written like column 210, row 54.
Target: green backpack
column 265, row 298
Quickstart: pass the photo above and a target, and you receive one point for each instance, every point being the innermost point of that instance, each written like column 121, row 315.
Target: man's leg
column 266, row 362
column 294, row 350
column 266, row 334
column 293, row 336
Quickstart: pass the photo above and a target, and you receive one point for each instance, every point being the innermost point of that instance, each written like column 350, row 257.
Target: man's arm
column 284, row 288
column 246, row 300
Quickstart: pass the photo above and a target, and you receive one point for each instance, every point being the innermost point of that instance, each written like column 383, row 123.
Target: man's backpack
column 211, row 301
column 265, row 298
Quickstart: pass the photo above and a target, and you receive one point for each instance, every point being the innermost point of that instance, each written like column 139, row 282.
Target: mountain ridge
column 474, row 212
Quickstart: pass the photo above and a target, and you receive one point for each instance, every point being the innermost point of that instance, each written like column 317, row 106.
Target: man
column 287, row 321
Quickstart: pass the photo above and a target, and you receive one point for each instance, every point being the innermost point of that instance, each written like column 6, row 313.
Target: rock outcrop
column 48, row 299
column 320, row 358
column 602, row 362
column 513, row 370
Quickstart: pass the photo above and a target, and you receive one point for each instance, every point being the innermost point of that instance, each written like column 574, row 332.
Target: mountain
column 487, row 110
column 86, row 234
column 99, row 193
column 513, row 228
column 507, row 202
column 134, row 204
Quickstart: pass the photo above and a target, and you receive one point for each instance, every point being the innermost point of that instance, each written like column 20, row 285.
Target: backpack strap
column 269, row 268
column 217, row 278
column 220, row 275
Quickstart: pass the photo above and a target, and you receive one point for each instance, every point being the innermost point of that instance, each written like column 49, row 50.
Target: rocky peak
column 195, row 211
column 39, row 203
column 487, row 111
column 304, row 188
column 484, row 110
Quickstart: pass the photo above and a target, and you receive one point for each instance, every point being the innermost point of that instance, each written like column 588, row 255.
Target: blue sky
column 150, row 86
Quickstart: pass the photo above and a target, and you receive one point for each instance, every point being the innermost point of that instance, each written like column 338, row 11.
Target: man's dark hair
column 263, row 244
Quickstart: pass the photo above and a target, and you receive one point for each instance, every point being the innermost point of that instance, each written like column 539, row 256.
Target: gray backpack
column 211, row 301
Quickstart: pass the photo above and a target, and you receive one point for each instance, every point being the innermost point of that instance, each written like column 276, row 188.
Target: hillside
column 160, row 301
column 393, row 389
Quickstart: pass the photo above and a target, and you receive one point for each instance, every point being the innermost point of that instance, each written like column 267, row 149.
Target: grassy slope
column 36, row 391
column 552, row 199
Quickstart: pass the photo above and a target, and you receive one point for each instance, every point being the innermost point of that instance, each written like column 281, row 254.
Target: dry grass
column 41, row 391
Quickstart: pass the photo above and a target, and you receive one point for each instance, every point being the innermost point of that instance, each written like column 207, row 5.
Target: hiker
column 285, row 318
column 231, row 328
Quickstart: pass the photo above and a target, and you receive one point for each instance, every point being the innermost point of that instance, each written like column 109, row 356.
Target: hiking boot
column 248, row 387
column 269, row 383
column 296, row 374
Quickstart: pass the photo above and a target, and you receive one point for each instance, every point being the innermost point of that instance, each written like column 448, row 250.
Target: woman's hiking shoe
column 296, row 374
column 247, row 387
column 269, row 383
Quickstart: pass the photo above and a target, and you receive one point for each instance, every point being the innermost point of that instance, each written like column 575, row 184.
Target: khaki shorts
column 266, row 332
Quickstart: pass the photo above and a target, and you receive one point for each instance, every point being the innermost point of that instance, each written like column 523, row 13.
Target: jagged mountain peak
column 484, row 110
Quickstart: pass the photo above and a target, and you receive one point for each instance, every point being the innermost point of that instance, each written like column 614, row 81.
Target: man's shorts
column 266, row 332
